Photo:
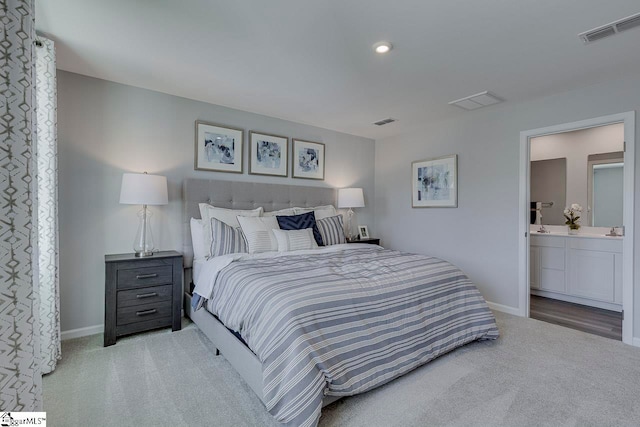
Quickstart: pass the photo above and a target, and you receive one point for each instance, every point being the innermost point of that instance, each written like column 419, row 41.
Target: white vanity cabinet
column 584, row 270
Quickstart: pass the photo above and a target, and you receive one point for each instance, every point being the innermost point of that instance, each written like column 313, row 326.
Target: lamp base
column 143, row 254
column 143, row 245
column 349, row 229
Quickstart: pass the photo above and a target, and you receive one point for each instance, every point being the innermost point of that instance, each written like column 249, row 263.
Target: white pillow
column 258, row 233
column 228, row 216
column 321, row 212
column 197, row 239
column 295, row 240
column 281, row 212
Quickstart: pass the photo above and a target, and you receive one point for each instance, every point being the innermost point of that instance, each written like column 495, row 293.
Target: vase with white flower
column 572, row 215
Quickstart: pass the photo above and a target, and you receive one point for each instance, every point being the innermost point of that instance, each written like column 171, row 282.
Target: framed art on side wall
column 435, row 183
column 307, row 159
column 218, row 148
column 268, row 154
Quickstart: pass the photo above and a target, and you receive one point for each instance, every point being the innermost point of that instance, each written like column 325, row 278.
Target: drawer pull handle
column 146, row 276
column 149, row 295
column 146, row 312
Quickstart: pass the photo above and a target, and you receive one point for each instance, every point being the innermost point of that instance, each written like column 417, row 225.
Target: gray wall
column 481, row 235
column 105, row 129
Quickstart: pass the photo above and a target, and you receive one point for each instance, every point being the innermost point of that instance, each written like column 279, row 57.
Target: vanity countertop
column 584, row 233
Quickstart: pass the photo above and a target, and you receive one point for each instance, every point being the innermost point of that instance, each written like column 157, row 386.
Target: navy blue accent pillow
column 300, row 222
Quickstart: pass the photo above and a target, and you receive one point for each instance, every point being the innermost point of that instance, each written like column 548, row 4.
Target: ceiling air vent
column 476, row 101
column 628, row 23
column 384, row 121
column 611, row 29
column 601, row 33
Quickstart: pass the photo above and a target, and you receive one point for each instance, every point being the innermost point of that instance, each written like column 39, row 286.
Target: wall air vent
column 611, row 29
column 384, row 121
column 476, row 101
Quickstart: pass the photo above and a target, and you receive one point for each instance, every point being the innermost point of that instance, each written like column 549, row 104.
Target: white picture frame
column 218, row 148
column 363, row 232
column 434, row 182
column 268, row 154
column 307, row 159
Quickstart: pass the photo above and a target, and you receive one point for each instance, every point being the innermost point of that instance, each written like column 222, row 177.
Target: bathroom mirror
column 549, row 186
column 585, row 167
column 605, row 189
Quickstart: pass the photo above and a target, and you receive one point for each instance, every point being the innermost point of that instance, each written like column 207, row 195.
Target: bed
column 308, row 327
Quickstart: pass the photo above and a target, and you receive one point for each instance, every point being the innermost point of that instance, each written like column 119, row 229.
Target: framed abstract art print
column 218, row 148
column 435, row 183
column 268, row 154
column 308, row 159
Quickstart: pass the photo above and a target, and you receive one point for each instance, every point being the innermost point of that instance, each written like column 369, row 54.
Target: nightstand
column 141, row 293
column 370, row 241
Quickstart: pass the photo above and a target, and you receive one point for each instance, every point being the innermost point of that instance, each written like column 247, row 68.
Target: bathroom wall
column 576, row 147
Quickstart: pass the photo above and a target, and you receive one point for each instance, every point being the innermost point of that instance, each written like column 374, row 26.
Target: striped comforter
column 343, row 321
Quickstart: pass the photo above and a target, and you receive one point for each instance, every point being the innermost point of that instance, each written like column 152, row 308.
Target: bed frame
column 239, row 195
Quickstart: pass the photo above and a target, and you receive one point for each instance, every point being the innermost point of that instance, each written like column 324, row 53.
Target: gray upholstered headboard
column 246, row 195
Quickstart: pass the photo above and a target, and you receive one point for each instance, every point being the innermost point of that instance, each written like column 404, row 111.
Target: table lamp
column 143, row 189
column 350, row 198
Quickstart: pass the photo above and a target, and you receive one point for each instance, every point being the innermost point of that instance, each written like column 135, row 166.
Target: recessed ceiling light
column 382, row 47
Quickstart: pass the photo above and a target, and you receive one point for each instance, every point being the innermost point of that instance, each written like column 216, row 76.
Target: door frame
column 628, row 118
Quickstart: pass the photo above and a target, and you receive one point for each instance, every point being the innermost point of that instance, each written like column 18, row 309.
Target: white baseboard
column 504, row 308
column 89, row 330
column 635, row 342
column 81, row 332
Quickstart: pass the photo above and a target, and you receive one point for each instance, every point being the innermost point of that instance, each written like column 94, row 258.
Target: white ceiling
column 312, row 61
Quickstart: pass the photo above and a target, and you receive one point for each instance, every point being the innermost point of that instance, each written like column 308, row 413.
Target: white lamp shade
column 143, row 189
column 350, row 198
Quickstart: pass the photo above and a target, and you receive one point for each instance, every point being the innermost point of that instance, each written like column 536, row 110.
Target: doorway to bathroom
column 576, row 223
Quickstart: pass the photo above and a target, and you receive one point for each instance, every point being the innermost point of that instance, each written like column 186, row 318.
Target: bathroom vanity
column 584, row 269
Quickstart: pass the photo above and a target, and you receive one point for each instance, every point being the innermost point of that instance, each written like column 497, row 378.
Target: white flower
column 576, row 207
column 566, row 211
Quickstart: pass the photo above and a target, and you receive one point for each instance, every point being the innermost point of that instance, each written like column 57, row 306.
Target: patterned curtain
column 47, row 161
column 20, row 378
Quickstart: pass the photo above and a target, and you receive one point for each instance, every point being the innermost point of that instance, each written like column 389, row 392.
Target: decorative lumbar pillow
column 332, row 230
column 320, row 212
column 228, row 216
column 281, row 212
column 300, row 222
column 258, row 233
column 226, row 239
column 295, row 240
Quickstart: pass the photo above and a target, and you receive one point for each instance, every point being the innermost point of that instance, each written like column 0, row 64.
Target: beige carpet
column 536, row 374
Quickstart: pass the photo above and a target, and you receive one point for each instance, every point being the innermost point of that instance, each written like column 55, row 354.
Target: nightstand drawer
column 144, row 276
column 148, row 295
column 370, row 241
column 142, row 313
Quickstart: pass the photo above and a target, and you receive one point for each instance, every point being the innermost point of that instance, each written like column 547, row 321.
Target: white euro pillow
column 295, row 240
column 281, row 212
column 320, row 212
column 258, row 231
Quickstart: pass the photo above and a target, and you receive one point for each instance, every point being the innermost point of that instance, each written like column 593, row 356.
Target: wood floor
column 581, row 317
